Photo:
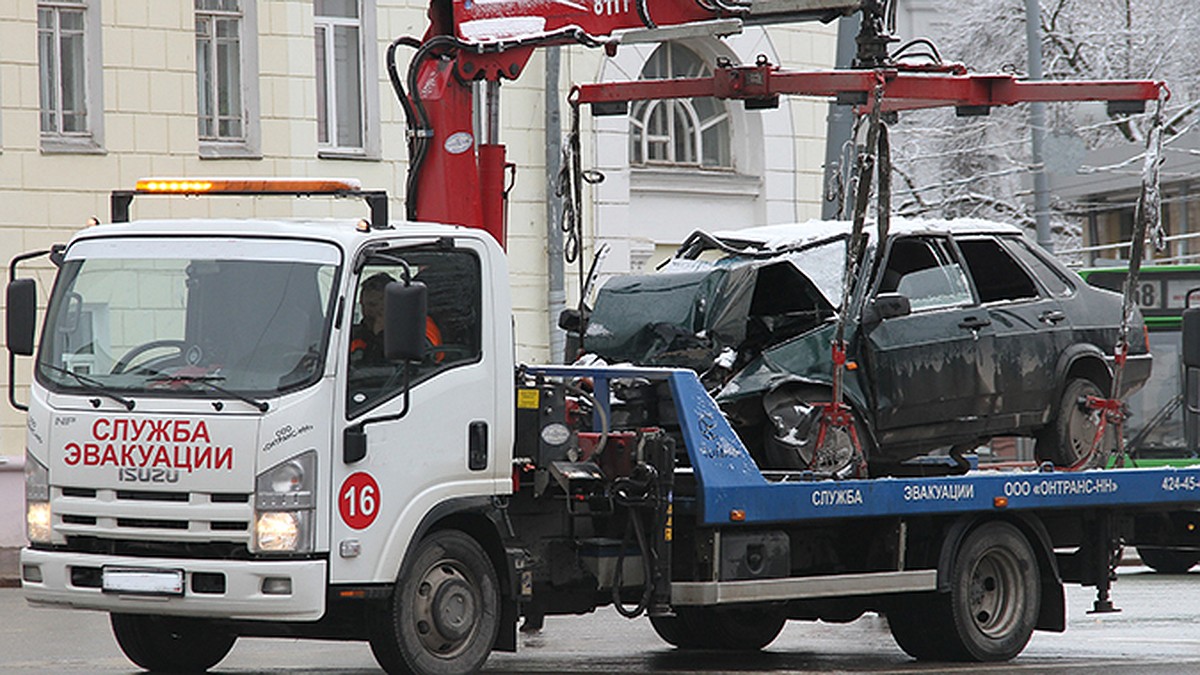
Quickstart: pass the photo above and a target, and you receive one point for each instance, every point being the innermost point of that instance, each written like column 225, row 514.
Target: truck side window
column 453, row 334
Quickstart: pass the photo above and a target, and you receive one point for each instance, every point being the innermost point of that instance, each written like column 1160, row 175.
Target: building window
column 68, row 74
column 339, row 50
column 226, row 78
column 679, row 132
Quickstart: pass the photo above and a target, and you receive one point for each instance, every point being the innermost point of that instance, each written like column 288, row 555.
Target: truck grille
column 184, row 518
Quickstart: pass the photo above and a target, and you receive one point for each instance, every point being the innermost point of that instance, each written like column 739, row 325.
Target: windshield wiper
column 92, row 385
column 208, row 381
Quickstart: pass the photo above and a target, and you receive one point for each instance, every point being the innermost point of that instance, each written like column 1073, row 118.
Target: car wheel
column 1067, row 440
column 171, row 644
column 793, row 427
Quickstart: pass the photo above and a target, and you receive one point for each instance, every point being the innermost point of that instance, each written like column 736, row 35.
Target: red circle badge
column 358, row 500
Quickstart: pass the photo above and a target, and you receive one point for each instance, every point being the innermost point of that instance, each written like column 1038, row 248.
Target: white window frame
column 369, row 75
column 249, row 145
column 640, row 116
column 91, row 140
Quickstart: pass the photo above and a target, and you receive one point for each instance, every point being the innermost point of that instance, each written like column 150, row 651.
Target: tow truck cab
column 204, row 425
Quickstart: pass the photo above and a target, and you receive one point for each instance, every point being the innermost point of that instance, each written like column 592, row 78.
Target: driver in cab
column 366, row 336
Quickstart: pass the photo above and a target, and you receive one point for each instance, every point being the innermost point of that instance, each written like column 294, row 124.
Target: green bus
column 1157, row 432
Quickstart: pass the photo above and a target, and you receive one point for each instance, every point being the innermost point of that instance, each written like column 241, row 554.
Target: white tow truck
column 318, row 429
column 212, row 454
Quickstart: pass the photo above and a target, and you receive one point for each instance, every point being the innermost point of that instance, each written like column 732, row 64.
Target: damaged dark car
column 959, row 331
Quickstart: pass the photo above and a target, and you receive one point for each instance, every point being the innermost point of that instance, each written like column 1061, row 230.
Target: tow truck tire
column 444, row 614
column 919, row 625
column 995, row 595
column 1168, row 561
column 1068, row 437
column 675, row 632
column 167, row 644
column 746, row 628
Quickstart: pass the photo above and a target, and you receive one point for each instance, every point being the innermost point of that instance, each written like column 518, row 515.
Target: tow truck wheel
column 1067, row 439
column 444, row 614
column 747, row 628
column 1168, row 561
column 676, row 633
column 171, row 644
column 918, row 624
column 995, row 595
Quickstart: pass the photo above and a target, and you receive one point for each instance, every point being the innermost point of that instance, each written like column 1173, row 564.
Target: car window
column 1053, row 279
column 452, row 328
column 997, row 275
column 923, row 271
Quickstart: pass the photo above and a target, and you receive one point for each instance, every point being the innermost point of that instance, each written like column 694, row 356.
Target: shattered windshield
column 201, row 316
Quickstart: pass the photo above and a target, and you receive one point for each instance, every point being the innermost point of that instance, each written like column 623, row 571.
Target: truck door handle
column 974, row 322
column 477, row 446
column 1051, row 316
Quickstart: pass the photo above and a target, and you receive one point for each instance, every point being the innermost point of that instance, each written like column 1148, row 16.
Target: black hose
column 643, row 492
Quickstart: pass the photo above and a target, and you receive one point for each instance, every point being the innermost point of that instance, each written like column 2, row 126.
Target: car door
column 1030, row 327
column 928, row 367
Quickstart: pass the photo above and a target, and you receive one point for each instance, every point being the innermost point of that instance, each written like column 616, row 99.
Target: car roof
column 795, row 235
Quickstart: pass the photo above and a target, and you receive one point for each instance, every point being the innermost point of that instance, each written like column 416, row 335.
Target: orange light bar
column 193, row 186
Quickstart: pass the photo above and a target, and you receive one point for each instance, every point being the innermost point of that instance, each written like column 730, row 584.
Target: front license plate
column 142, row 581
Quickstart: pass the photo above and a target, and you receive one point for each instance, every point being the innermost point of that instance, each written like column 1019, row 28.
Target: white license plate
column 142, row 581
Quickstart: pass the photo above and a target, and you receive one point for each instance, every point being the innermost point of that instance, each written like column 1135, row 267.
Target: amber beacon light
column 247, row 186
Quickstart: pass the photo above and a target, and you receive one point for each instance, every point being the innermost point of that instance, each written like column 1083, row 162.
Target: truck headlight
column 284, row 501
column 37, row 501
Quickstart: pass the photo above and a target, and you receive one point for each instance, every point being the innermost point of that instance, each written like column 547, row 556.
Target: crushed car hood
column 693, row 310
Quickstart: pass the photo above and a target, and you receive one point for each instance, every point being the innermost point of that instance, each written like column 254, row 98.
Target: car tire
column 791, row 430
column 1067, row 440
column 168, row 644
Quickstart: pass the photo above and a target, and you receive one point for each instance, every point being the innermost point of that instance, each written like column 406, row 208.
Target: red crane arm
column 902, row 89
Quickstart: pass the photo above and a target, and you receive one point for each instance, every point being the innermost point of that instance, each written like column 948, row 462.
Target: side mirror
column 886, row 306
column 21, row 316
column 404, row 314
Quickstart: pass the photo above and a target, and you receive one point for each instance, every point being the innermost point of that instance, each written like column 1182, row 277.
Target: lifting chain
column 1147, row 222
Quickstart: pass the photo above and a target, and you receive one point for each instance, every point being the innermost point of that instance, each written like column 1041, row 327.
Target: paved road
column 1158, row 632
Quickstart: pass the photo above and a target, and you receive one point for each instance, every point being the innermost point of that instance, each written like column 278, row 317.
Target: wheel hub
column 994, row 598
column 446, row 609
column 454, row 609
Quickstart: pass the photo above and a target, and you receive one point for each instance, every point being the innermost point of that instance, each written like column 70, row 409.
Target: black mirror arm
column 354, row 438
column 12, row 358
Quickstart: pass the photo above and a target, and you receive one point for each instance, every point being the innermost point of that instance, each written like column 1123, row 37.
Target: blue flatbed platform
column 728, row 480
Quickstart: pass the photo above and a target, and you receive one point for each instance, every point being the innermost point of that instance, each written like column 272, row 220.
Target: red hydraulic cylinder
column 447, row 190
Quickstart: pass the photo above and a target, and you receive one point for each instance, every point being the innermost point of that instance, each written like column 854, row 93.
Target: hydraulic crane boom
column 455, row 177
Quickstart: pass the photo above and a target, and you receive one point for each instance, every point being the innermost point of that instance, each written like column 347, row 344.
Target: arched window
column 679, row 132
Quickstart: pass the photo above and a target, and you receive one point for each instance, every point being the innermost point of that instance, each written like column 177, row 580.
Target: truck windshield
column 198, row 317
